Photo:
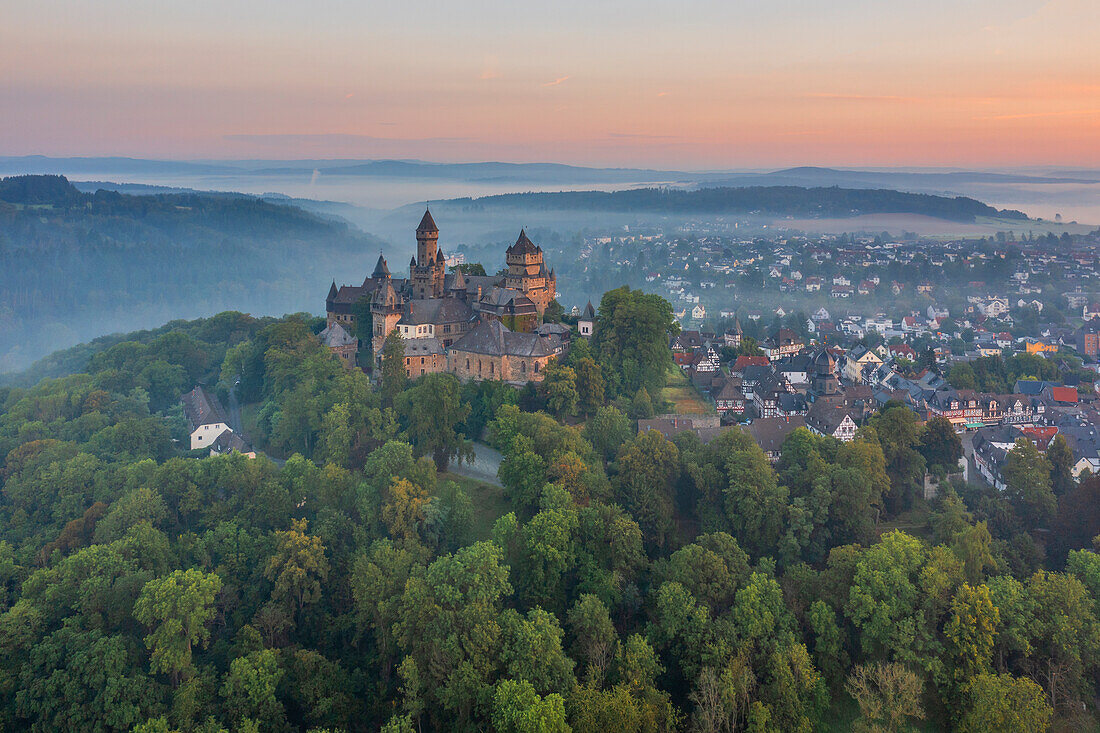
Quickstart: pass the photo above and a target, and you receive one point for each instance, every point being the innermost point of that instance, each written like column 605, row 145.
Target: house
column 230, row 442
column 785, row 342
column 857, row 361
column 727, row 395
column 492, row 351
column 337, row 340
column 769, row 433
column 825, row 418
column 1088, row 338
column 902, row 351
column 205, row 417
column 739, row 364
column 706, row 427
column 424, row 356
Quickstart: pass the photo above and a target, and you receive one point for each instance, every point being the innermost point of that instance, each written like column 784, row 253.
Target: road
column 483, row 467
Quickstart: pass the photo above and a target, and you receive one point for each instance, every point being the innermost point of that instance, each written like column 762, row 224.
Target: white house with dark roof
column 205, row 417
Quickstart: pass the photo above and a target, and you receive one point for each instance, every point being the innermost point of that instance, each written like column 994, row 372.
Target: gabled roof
column 422, row 311
column 1063, row 394
column 202, row 408
column 336, row 336
column 427, row 223
column 494, row 339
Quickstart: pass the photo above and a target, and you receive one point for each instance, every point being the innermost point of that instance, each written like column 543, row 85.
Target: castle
column 476, row 326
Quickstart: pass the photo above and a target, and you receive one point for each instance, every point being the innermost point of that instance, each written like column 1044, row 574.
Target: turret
column 381, row 269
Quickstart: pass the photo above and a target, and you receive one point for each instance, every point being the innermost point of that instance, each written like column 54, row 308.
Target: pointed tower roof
column 380, row 269
column 589, row 313
column 412, row 262
column 385, row 294
column 523, row 245
column 459, row 280
column 332, row 292
column 427, row 223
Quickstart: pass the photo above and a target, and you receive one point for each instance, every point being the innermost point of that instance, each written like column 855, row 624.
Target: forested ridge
column 767, row 200
column 75, row 265
column 620, row 581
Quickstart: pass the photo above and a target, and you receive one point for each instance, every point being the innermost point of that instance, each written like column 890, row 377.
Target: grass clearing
column 683, row 396
column 490, row 503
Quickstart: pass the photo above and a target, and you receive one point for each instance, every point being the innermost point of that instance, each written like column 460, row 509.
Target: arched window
column 523, row 367
column 536, row 367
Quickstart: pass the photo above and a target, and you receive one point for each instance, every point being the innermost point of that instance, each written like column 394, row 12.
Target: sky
column 694, row 84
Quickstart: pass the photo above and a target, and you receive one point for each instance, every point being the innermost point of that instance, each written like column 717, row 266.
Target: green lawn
column 683, row 396
column 490, row 503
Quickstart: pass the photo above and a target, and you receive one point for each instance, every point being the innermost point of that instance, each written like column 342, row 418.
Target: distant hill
column 793, row 201
column 76, row 265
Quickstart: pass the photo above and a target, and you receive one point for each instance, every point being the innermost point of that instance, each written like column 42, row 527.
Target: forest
column 767, row 200
column 78, row 265
column 616, row 580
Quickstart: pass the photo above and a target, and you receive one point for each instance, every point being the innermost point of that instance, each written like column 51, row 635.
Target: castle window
column 536, row 367
column 523, row 367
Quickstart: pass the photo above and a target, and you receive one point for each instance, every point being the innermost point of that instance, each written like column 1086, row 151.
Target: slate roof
column 825, row 417
column 422, row 311
column 523, row 245
column 423, row 347
column 336, row 336
column 770, row 432
column 427, row 223
column 381, row 269
column 202, row 408
column 589, row 313
column 494, row 339
column 228, row 441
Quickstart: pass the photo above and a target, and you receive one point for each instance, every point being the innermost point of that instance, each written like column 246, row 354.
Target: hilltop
column 791, row 201
column 75, row 265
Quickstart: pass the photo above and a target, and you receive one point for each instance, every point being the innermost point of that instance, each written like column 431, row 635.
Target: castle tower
column 385, row 308
column 527, row 272
column 426, row 273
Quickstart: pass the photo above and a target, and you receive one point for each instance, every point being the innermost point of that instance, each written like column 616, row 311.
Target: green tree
column 971, row 629
column 559, row 389
column 517, row 708
column 298, row 567
column 179, row 606
column 1027, row 484
column 1005, row 704
column 433, row 410
column 607, row 430
column 394, row 376
column 647, row 467
column 1060, row 457
column 888, row 696
column 940, row 444
column 250, row 688
column 590, row 385
column 632, row 338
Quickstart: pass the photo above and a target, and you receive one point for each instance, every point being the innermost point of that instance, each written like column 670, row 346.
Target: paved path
column 483, row 467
